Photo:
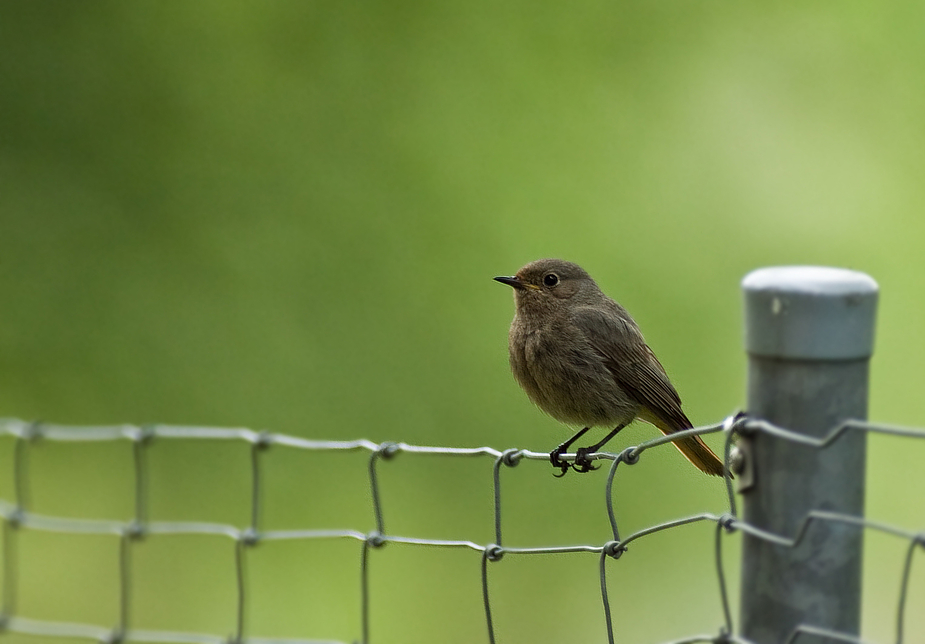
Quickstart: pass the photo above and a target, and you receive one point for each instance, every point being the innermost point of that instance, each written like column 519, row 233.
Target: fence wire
column 16, row 516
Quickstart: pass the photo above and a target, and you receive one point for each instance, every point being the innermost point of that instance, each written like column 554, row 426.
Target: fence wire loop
column 263, row 439
column 114, row 637
column 511, row 457
column 630, row 455
column 737, row 423
column 494, row 552
column 375, row 539
column 388, row 450
column 614, row 549
column 727, row 522
column 134, row 531
column 143, row 434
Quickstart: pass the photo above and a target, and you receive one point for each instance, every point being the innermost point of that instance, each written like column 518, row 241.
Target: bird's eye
column 550, row 279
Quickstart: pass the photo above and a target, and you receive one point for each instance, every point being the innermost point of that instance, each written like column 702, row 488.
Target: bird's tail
column 693, row 448
column 698, row 453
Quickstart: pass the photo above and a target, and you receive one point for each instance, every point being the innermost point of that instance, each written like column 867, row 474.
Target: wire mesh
column 17, row 517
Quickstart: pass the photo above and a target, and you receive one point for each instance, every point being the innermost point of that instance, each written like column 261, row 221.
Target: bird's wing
column 632, row 363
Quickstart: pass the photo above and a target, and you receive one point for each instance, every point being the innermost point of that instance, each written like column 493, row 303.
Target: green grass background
column 286, row 215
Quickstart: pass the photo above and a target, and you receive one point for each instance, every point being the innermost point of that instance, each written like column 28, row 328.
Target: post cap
column 809, row 312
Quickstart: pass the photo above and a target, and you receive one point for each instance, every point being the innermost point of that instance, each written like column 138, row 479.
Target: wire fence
column 18, row 517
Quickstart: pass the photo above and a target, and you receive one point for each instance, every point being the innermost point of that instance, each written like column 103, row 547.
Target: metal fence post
column 809, row 337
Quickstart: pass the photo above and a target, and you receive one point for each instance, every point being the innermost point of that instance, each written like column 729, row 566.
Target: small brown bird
column 582, row 359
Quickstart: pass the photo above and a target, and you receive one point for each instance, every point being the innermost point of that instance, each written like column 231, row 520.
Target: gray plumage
column 581, row 358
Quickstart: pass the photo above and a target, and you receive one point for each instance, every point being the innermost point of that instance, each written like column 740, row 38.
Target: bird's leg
column 582, row 462
column 559, row 451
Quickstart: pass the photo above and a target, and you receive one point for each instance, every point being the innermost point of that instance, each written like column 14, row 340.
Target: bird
column 581, row 358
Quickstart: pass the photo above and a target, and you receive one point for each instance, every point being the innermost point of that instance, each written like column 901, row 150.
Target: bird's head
column 550, row 283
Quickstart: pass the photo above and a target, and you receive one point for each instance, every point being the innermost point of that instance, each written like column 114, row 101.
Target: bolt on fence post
column 809, row 336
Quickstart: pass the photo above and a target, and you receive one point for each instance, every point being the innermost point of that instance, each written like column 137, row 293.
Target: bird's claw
column 581, row 465
column 582, row 462
column 558, row 462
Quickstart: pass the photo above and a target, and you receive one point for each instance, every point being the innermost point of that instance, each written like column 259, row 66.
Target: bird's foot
column 582, row 462
column 558, row 462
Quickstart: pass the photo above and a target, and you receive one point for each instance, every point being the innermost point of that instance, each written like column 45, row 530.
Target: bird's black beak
column 511, row 281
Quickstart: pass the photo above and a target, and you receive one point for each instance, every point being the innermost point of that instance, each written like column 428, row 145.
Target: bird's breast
column 565, row 377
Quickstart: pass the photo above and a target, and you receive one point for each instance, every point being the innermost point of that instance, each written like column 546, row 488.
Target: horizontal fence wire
column 16, row 516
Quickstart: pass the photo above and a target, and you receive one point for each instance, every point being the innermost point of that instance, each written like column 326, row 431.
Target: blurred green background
column 286, row 215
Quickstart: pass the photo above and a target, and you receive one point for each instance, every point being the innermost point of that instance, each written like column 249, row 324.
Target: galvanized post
column 809, row 336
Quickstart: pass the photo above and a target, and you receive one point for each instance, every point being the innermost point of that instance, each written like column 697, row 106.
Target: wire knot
column 144, row 434
column 511, row 457
column 135, row 530
column 494, row 552
column 32, row 431
column 630, row 456
column 263, row 440
column 249, row 537
column 387, row 450
column 375, row 539
column 16, row 517
column 727, row 522
column 115, row 636
column 738, row 423
column 614, row 549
